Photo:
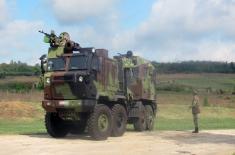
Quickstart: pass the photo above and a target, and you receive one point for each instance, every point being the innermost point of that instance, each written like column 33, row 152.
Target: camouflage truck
column 86, row 90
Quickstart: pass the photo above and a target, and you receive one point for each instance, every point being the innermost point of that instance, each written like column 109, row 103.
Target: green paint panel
column 46, row 39
column 65, row 91
column 55, row 52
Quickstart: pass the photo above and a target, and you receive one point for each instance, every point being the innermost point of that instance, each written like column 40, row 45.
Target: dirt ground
column 216, row 142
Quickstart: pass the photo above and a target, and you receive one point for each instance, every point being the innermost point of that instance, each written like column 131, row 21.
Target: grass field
column 175, row 114
column 169, row 117
column 22, row 127
column 201, row 82
column 21, row 113
column 25, row 79
column 21, row 117
column 19, row 84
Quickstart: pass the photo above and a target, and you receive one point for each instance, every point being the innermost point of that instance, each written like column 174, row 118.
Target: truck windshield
column 78, row 62
column 56, row 64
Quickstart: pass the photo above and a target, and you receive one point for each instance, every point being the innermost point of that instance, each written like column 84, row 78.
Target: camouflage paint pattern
column 143, row 77
column 130, row 78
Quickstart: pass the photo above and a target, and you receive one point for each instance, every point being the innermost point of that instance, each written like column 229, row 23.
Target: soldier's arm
column 196, row 101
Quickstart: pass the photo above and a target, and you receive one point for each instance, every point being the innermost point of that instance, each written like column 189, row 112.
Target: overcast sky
column 161, row 30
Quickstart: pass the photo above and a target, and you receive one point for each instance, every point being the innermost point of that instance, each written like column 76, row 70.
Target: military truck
column 85, row 90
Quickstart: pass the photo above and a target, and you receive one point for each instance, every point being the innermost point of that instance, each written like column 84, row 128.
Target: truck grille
column 68, row 90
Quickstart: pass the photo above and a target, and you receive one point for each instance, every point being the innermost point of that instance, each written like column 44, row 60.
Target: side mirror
column 43, row 60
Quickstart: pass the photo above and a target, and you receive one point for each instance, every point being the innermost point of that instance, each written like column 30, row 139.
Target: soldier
column 195, row 110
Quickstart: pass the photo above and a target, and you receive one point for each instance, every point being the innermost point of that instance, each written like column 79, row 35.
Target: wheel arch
column 110, row 104
column 152, row 103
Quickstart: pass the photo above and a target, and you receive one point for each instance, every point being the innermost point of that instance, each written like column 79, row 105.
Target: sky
column 159, row 30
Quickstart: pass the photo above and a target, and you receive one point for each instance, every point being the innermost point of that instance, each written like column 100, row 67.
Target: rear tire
column 140, row 123
column 150, row 118
column 100, row 122
column 55, row 126
column 119, row 120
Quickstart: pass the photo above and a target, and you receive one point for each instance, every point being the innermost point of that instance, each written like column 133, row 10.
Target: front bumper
column 76, row 105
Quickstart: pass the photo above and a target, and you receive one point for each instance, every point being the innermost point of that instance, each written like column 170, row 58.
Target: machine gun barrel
column 46, row 34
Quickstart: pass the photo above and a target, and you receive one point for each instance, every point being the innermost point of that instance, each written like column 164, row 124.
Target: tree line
column 195, row 67
column 18, row 69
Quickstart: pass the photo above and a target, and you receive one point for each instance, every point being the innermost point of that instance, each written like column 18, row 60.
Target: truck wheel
column 56, row 127
column 119, row 120
column 149, row 117
column 100, row 122
column 140, row 123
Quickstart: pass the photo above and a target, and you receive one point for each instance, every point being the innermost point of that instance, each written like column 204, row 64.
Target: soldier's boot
column 196, row 130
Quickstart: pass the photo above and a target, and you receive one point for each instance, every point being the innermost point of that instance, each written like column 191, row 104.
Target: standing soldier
column 195, row 110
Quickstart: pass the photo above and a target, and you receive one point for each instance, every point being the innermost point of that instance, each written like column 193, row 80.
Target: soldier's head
column 64, row 36
column 195, row 92
column 129, row 54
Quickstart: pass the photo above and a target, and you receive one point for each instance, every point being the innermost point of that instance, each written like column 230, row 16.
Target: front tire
column 55, row 126
column 119, row 120
column 100, row 122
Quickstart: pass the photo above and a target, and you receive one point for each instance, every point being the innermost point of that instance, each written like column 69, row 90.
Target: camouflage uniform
column 195, row 111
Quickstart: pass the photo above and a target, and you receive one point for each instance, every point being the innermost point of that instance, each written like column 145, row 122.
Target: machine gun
column 50, row 38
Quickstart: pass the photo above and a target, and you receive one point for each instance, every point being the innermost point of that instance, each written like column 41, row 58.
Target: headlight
column 48, row 104
column 49, row 65
column 48, row 81
column 80, row 79
column 49, row 68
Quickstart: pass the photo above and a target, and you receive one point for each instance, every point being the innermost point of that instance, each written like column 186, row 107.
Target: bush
column 40, row 84
column 173, row 87
column 16, row 87
column 2, row 75
column 233, row 92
